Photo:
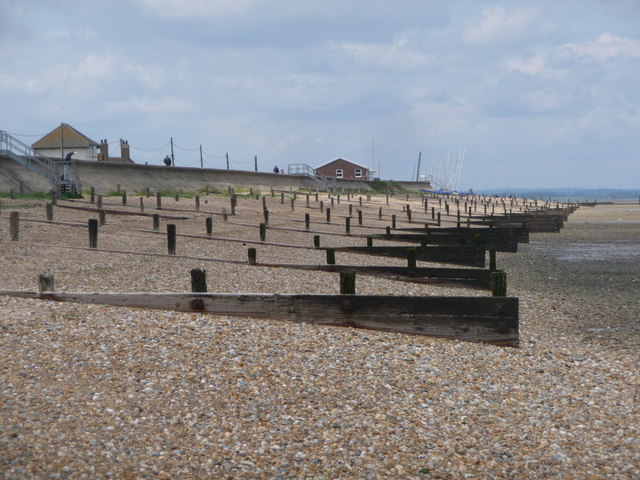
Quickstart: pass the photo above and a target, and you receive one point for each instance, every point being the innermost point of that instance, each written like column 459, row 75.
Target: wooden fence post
column 102, row 217
column 158, row 201
column 49, row 208
column 264, row 203
column 124, row 197
column 393, row 221
column 198, row 280
column 328, row 215
column 263, row 232
column 331, row 256
column 293, row 201
column 307, row 221
column 171, row 238
column 209, row 225
column 316, row 241
column 99, row 202
column 14, row 225
column 369, row 241
column 197, row 203
column 54, row 197
column 492, row 259
column 251, row 252
column 266, row 217
column 93, row 233
column 347, row 225
column 360, row 217
column 46, row 283
column 499, row 284
column 411, row 257
column 141, row 204
column 348, row 282
column 93, row 195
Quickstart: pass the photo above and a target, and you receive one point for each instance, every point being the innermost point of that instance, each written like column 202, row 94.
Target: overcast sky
column 541, row 93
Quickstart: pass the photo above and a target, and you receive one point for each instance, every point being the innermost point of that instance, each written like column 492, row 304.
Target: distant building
column 341, row 168
column 65, row 139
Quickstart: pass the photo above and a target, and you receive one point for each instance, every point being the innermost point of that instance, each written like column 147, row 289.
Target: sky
column 495, row 94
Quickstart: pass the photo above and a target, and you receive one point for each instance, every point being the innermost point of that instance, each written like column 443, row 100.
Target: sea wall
column 107, row 177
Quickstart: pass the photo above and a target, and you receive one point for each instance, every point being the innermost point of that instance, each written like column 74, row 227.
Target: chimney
column 124, row 151
column 104, row 150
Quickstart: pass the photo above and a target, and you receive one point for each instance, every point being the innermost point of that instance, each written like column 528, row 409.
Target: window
column 358, row 173
column 339, row 173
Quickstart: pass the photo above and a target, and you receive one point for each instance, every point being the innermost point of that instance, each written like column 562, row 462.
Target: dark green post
column 331, row 256
column 411, row 257
column 348, row 283
column 252, row 256
column 171, row 238
column 198, row 280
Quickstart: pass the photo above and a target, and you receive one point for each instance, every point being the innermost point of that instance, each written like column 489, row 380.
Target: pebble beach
column 93, row 391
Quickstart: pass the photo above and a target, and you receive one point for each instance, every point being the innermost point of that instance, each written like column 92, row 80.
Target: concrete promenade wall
column 106, row 177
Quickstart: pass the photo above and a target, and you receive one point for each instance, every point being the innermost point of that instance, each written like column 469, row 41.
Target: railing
column 304, row 169
column 41, row 164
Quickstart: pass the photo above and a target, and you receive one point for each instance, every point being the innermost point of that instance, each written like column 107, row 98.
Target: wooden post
column 99, row 201
column 387, row 231
column 321, row 206
column 93, row 233
column 316, row 241
column 46, row 283
column 264, row 203
column 348, row 282
column 54, row 197
column 141, row 204
column 148, row 192
column 369, row 241
column 251, row 252
column 209, row 225
column 492, row 259
column 282, row 198
column 263, row 232
column 49, row 208
column 124, row 197
column 234, row 201
column 360, row 217
column 380, row 213
column 156, row 222
column 347, row 225
column 197, row 203
column 158, row 201
column 307, row 221
column 102, row 217
column 93, row 195
column 439, row 221
column 225, row 217
column 307, row 200
column 198, row 280
column 293, row 202
column 266, row 217
column 393, row 221
column 177, row 197
column 328, row 215
column 350, row 209
column 499, row 284
column 411, row 257
column 331, row 256
column 171, row 238
column 14, row 225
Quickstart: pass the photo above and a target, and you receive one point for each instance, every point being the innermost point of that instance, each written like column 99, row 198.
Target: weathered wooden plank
column 474, row 319
column 457, row 255
column 502, row 243
column 468, row 277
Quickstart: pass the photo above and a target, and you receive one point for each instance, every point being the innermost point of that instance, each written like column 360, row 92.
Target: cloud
column 195, row 8
column 498, row 25
column 168, row 105
column 396, row 55
column 607, row 46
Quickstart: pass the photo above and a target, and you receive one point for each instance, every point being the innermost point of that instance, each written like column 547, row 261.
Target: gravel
column 91, row 391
